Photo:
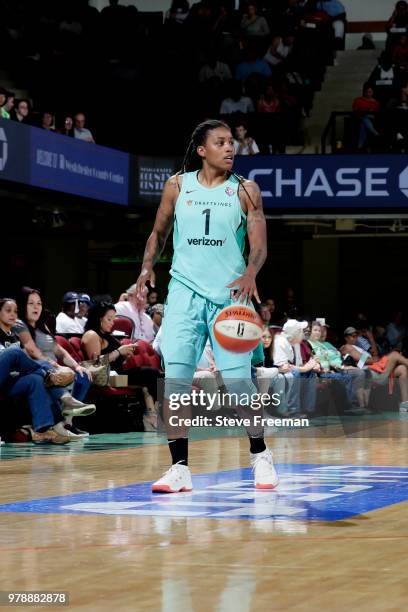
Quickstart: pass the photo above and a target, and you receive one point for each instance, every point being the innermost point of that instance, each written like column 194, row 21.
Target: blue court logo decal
column 306, row 492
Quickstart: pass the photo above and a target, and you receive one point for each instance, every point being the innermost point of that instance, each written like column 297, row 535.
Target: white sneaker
column 265, row 475
column 403, row 407
column 176, row 480
column 73, row 407
column 60, row 429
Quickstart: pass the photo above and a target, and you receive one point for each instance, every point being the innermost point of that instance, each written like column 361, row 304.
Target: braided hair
column 192, row 161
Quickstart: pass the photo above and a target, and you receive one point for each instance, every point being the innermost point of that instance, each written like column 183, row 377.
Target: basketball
column 238, row 328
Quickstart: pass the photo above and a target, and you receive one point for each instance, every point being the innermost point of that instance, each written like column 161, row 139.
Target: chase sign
column 329, row 181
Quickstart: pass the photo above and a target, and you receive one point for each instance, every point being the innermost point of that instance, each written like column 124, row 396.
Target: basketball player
column 211, row 209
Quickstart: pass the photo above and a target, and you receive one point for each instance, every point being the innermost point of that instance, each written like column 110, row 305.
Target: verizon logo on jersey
column 206, row 241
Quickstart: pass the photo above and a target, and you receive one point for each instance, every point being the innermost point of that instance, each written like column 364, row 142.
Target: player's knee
column 178, row 380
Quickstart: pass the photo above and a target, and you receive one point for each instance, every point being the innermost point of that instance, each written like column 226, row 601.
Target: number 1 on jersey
column 207, row 213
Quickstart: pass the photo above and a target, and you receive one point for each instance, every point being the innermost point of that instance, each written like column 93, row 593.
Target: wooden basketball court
column 333, row 536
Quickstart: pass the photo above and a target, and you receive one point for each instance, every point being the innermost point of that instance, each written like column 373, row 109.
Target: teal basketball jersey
column 208, row 237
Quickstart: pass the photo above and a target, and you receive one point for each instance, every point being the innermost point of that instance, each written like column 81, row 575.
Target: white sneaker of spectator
column 72, row 406
column 60, row 429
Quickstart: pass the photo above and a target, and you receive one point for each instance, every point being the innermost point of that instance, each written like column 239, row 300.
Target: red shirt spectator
column 269, row 102
column 366, row 103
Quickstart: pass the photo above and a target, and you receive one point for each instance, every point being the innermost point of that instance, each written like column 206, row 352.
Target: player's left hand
column 244, row 288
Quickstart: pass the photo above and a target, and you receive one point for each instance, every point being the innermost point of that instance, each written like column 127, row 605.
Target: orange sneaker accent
column 265, row 486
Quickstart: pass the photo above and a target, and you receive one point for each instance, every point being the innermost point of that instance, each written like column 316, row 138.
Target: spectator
column 337, row 13
column 365, row 338
column 275, row 319
column 400, row 53
column 22, row 376
column 396, row 331
column 214, row 69
column 332, row 367
column 200, row 20
column 364, row 107
column 178, row 11
column 84, row 304
column 3, row 98
column 67, row 322
column 252, row 64
column 399, row 17
column 39, row 343
column 381, row 341
column 279, row 50
column 290, row 307
column 80, row 131
column 134, row 308
column 8, row 105
column 383, row 73
column 157, row 316
column 226, row 26
column 287, row 357
column 267, row 375
column 269, row 101
column 244, row 144
column 123, row 297
column 67, row 127
column 98, row 340
column 152, row 299
column 252, row 24
column 358, row 348
column 270, row 302
column 264, row 313
column 380, row 369
column 47, row 121
column 267, row 343
column 236, row 102
column 21, row 111
column 9, row 340
column 383, row 79
column 366, row 42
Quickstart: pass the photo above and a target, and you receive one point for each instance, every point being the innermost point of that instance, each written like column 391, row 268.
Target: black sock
column 257, row 445
column 179, row 450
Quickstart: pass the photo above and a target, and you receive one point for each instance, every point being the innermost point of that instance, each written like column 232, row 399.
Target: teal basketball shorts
column 188, row 322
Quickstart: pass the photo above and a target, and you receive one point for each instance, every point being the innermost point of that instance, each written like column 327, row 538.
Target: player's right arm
column 162, row 227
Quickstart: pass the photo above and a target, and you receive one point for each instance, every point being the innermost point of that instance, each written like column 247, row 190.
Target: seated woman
column 252, row 24
column 22, row 376
column 98, row 340
column 365, row 108
column 39, row 343
column 332, row 367
column 268, row 377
